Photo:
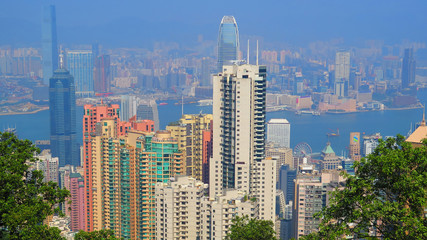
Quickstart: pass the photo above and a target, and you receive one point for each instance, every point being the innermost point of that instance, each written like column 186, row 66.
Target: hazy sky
column 139, row 22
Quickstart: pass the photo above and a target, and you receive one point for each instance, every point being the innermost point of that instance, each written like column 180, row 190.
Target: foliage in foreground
column 386, row 199
column 25, row 200
column 96, row 235
column 243, row 228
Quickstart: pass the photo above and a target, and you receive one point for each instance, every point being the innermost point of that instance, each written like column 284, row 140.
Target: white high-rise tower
column 239, row 94
column 279, row 132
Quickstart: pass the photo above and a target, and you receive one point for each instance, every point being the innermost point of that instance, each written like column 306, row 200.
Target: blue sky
column 139, row 22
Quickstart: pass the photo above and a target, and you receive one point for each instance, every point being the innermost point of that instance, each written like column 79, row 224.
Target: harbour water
column 304, row 128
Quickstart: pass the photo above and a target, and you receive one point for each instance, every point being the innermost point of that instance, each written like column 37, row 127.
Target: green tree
column 386, row 199
column 243, row 228
column 96, row 235
column 25, row 200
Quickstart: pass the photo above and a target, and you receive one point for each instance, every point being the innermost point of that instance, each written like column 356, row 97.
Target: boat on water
column 163, row 103
column 333, row 133
column 316, row 113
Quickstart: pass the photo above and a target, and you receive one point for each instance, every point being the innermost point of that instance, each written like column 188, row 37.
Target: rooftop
column 419, row 134
column 278, row 121
column 328, row 149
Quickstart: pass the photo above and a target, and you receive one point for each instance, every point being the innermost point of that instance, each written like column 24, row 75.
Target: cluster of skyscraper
column 132, row 180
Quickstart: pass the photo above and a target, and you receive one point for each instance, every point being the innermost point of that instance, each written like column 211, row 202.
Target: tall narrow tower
column 228, row 41
column 80, row 64
column 342, row 73
column 239, row 94
column 62, row 108
column 408, row 68
column 49, row 42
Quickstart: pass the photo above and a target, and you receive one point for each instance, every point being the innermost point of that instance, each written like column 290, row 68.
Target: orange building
column 355, row 146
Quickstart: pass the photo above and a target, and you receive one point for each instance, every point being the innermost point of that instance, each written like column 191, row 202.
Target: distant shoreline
column 23, row 113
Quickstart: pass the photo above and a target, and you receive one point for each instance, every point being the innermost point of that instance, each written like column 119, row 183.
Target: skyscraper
column 149, row 111
column 205, row 76
column 355, row 146
column 93, row 115
column 128, row 106
column 189, row 133
column 279, row 132
column 408, row 68
column 62, row 108
column 342, row 73
column 49, row 42
column 238, row 126
column 80, row 64
column 102, row 75
column 228, row 41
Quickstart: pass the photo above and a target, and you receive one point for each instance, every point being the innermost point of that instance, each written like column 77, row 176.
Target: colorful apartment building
column 189, row 133
column 124, row 171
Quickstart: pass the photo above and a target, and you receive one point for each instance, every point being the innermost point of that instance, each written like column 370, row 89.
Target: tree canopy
column 107, row 234
column 385, row 199
column 25, row 200
column 243, row 228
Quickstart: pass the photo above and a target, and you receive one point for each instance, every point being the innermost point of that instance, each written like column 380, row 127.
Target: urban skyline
column 189, row 178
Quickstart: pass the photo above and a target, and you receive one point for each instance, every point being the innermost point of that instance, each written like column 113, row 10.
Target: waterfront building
column 62, row 110
column 354, row 148
column 205, row 72
column 128, row 105
column 408, row 68
column 279, row 132
column 342, row 73
column 370, row 142
column 149, row 111
column 49, row 42
column 416, row 138
column 102, row 77
column 329, row 160
column 189, row 133
column 238, row 126
column 80, row 64
column 228, row 42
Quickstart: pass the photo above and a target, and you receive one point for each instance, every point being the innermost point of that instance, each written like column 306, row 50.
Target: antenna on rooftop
column 182, row 105
column 61, row 58
column 248, row 52
column 257, row 52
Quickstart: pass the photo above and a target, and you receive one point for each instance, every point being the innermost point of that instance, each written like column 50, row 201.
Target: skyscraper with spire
column 62, row 108
column 228, row 41
column 49, row 42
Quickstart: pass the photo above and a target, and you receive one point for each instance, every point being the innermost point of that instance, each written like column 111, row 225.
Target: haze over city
column 135, row 23
column 213, row 120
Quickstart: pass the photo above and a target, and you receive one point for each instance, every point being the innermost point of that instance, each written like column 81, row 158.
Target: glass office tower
column 62, row 108
column 80, row 64
column 49, row 42
column 228, row 41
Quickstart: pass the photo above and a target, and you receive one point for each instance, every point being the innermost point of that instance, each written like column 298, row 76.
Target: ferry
column 334, row 134
column 163, row 103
